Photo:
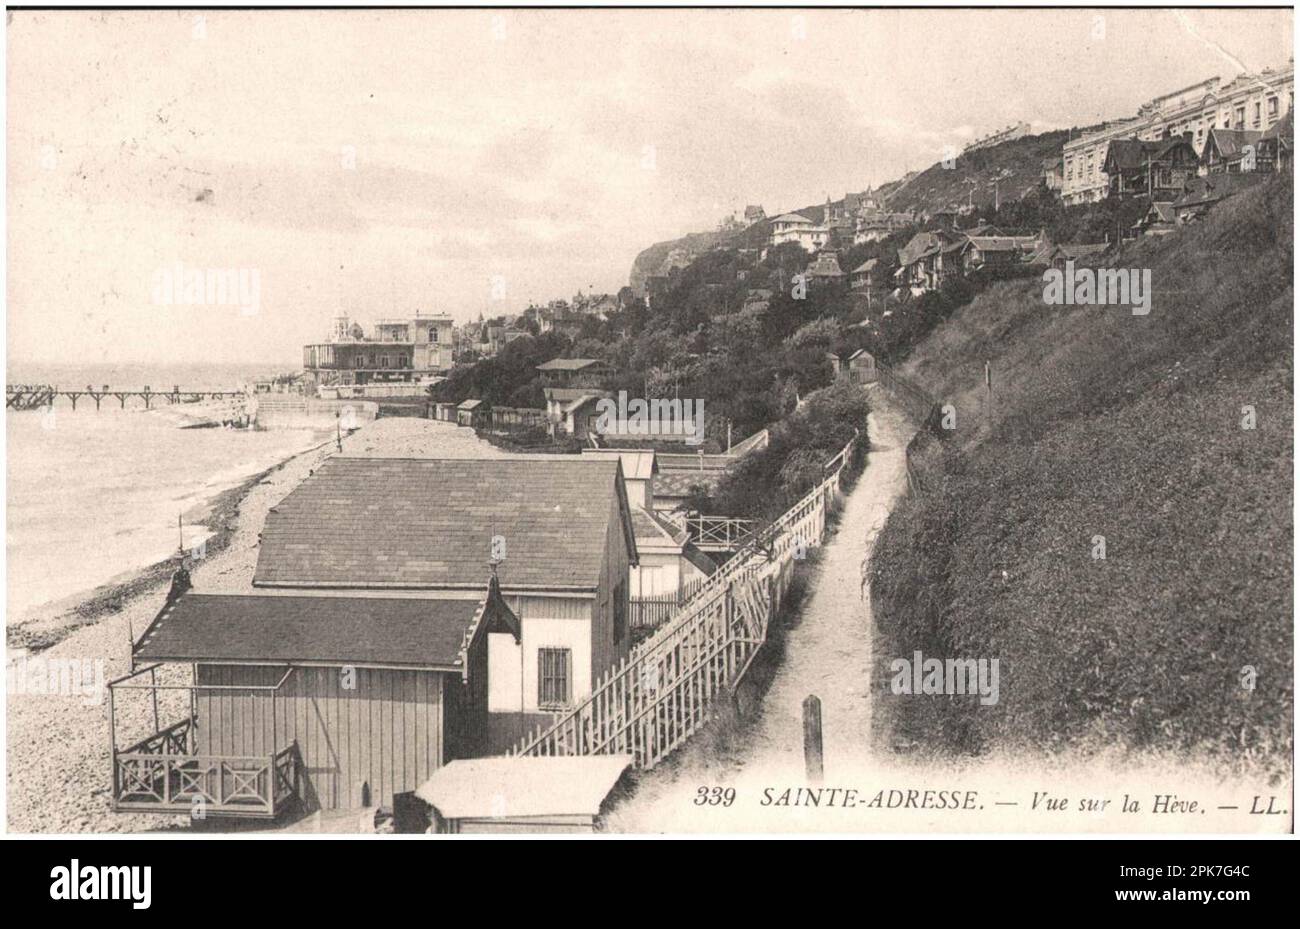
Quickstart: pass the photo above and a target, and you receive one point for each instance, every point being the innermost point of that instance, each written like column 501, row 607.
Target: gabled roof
column 1229, row 143
column 827, row 264
column 917, row 247
column 793, row 218
column 1164, row 213
column 262, row 628
column 859, row 354
column 866, row 265
column 1076, row 252
column 571, row 364
column 469, row 404
column 428, row 523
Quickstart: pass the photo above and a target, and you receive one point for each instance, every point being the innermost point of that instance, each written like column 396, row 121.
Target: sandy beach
column 58, row 772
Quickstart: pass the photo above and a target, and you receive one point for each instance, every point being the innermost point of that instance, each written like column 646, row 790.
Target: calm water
column 93, row 495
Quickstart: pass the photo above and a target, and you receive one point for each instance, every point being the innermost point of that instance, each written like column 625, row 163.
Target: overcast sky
column 380, row 163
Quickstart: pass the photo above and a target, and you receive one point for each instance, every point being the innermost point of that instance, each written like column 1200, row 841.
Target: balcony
column 164, row 773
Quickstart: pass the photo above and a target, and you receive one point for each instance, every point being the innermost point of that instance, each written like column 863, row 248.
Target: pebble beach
column 58, row 750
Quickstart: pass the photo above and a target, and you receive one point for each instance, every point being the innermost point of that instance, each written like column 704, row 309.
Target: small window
column 554, row 677
column 1272, row 106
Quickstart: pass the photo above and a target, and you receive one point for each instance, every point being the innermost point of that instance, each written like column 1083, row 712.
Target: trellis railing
column 666, row 688
column 720, row 533
column 163, row 773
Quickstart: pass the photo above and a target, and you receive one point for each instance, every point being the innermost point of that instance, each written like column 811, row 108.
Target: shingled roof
column 428, row 523
column 409, row 632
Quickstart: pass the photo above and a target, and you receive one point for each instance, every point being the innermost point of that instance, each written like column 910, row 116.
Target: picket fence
column 668, row 685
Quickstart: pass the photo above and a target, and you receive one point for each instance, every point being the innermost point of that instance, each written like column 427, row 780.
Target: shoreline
column 48, row 624
column 58, row 743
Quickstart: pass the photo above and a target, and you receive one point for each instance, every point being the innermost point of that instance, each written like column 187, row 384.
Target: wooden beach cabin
column 404, row 613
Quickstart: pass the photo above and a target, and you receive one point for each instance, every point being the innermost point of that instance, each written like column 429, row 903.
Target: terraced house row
column 1251, row 104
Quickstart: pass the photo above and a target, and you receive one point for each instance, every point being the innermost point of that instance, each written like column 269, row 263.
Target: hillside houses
column 1158, row 170
column 1248, row 103
column 793, row 227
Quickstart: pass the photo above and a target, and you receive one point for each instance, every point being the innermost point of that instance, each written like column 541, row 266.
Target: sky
column 384, row 163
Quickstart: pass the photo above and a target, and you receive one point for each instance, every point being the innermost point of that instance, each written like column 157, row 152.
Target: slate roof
column 271, row 628
column 1230, row 143
column 428, row 523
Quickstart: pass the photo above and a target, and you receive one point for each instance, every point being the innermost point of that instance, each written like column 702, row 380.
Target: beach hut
column 404, row 613
column 472, row 413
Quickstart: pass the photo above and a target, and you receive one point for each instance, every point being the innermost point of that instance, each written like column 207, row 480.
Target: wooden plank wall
column 387, row 731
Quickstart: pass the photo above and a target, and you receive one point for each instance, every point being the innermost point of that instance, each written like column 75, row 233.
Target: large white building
column 1248, row 101
column 791, row 227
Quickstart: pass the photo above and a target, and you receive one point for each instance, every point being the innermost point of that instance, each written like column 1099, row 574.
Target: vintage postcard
column 649, row 421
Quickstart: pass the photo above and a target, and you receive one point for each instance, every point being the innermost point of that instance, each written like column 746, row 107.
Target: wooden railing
column 162, row 773
column 666, row 688
column 720, row 533
column 231, row 785
column 653, row 611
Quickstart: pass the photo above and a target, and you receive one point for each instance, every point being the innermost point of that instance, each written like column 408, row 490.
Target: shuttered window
column 554, row 677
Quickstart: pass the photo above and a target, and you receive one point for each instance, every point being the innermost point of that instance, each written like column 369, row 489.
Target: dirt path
column 828, row 653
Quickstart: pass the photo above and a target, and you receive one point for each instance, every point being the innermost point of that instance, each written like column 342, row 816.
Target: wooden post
column 812, row 738
column 988, row 394
column 153, row 692
column 112, row 744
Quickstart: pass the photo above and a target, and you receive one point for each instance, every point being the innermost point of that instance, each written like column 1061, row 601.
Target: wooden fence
column 923, row 408
column 666, row 688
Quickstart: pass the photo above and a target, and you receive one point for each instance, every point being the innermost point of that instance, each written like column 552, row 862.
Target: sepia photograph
column 654, row 421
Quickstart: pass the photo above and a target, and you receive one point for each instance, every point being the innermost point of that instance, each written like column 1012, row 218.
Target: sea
column 95, row 496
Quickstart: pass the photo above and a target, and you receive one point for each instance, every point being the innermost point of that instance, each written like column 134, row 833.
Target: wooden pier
column 42, row 396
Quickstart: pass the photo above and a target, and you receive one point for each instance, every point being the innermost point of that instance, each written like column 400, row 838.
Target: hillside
column 1016, row 166
column 1127, row 427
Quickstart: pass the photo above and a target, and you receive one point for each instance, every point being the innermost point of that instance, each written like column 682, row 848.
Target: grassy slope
column 1129, row 427
column 1018, row 164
